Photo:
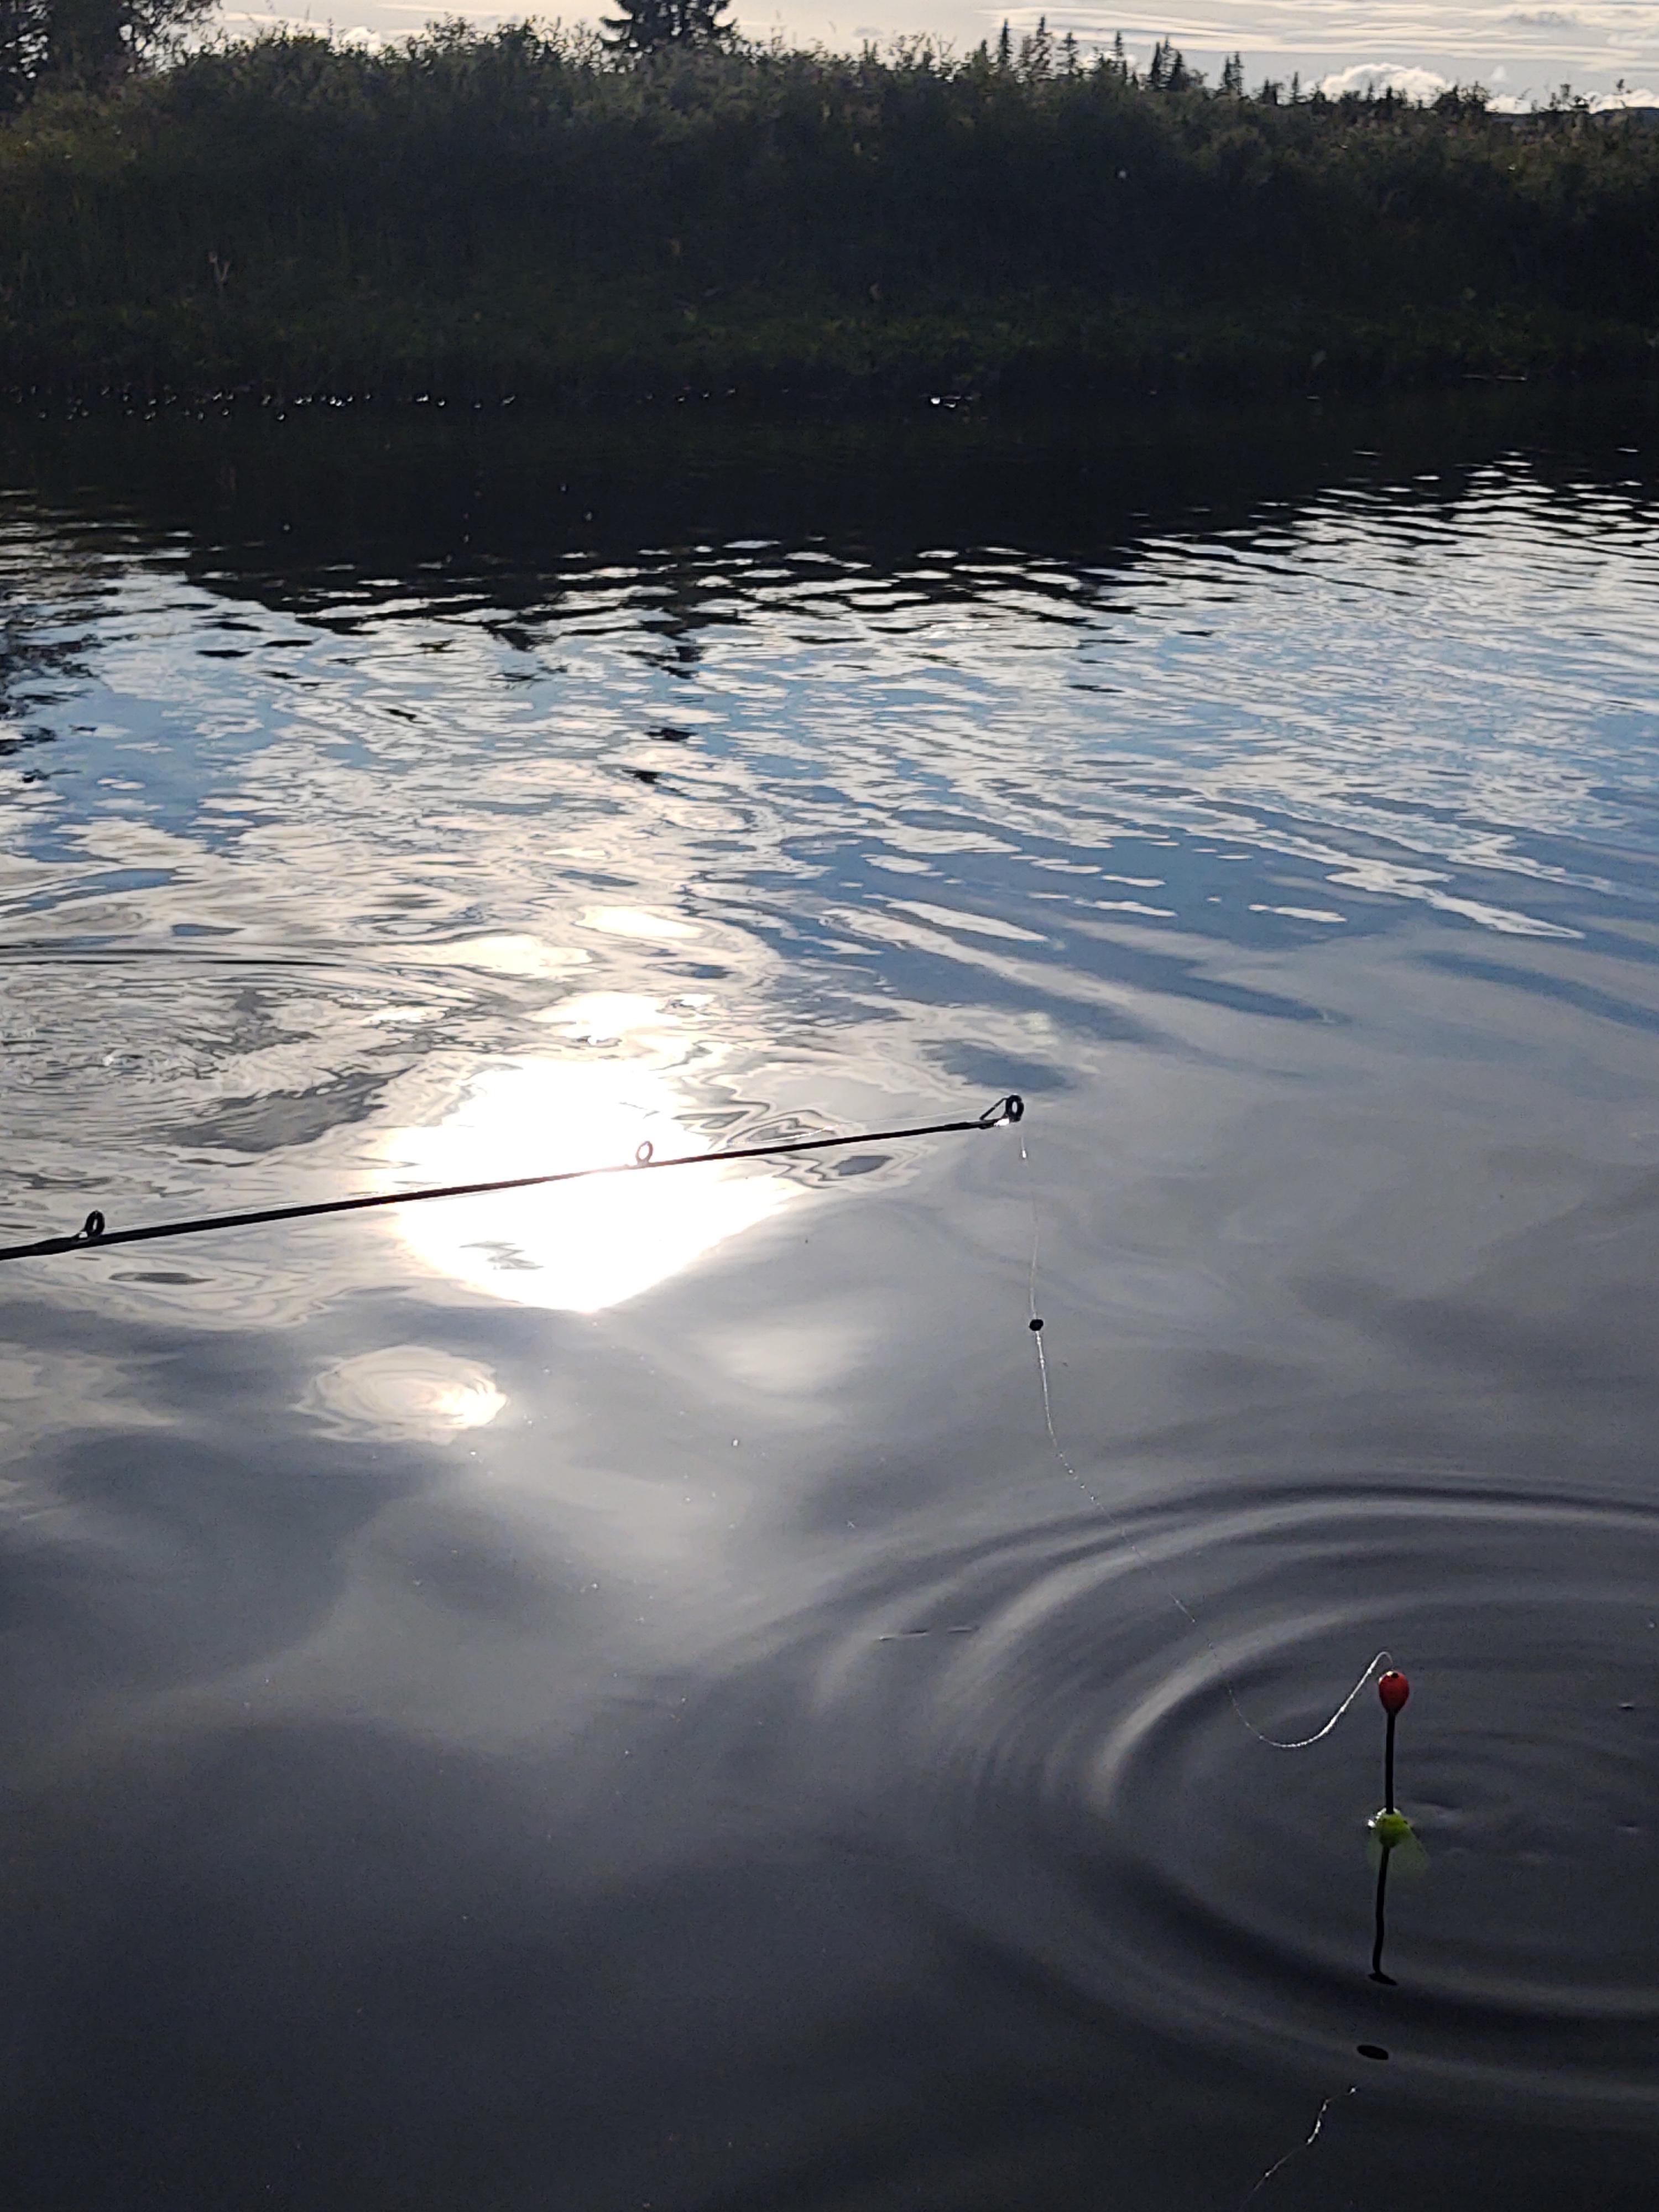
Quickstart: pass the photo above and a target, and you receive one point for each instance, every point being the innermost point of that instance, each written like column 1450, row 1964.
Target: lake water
column 611, row 1698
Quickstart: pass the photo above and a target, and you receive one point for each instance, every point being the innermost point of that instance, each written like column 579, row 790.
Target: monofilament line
column 1036, row 1326
column 1296, row 2149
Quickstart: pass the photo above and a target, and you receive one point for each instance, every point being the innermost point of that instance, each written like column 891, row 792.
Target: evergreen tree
column 1232, row 76
column 1005, row 46
column 1069, row 60
column 645, row 27
column 1155, row 67
column 85, row 42
column 1177, row 78
column 1120, row 60
column 1036, row 54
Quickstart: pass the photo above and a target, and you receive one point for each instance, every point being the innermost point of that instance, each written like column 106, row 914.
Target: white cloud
column 359, row 34
column 1426, row 84
column 1418, row 84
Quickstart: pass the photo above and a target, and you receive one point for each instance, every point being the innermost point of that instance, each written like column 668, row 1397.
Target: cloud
column 1418, row 84
column 1426, row 84
column 359, row 34
column 1544, row 19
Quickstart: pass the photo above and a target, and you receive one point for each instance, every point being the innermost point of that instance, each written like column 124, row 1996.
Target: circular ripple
column 1081, row 1781
column 404, row 1392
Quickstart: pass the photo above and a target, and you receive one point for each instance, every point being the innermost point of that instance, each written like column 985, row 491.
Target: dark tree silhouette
column 85, row 42
column 1036, row 54
column 645, row 27
column 468, row 213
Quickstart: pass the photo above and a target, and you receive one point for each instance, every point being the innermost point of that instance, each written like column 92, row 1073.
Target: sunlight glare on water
column 592, row 1245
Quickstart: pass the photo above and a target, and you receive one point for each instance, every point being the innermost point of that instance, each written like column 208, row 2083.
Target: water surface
column 612, row 1697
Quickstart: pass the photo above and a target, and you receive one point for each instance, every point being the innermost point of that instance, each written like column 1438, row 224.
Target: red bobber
column 1393, row 1689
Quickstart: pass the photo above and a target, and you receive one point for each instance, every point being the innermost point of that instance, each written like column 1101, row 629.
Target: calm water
column 611, row 1699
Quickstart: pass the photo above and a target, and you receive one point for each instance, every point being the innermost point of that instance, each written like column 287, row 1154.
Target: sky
column 1520, row 50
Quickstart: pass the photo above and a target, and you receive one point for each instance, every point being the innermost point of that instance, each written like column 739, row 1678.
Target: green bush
column 528, row 211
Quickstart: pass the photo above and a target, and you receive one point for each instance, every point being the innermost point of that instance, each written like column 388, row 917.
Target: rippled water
column 612, row 1697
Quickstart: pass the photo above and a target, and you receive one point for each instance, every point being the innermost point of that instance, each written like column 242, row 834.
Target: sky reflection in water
column 612, row 1683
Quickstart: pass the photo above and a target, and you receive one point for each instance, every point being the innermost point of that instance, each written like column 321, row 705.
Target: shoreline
column 479, row 217
column 1003, row 353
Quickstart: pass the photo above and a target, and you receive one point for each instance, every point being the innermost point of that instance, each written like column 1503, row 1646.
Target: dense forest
column 473, row 217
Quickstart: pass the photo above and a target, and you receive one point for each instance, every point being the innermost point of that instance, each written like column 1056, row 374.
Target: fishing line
column 95, row 1231
column 1035, row 1327
column 1296, row 2149
column 95, row 1234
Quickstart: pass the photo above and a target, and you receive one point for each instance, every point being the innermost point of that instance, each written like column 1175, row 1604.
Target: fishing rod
column 94, row 1233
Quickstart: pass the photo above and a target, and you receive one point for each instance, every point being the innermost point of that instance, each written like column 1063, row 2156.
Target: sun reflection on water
column 577, row 1248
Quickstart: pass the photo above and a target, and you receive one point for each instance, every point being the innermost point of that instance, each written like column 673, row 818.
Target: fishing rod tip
column 1010, row 1108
